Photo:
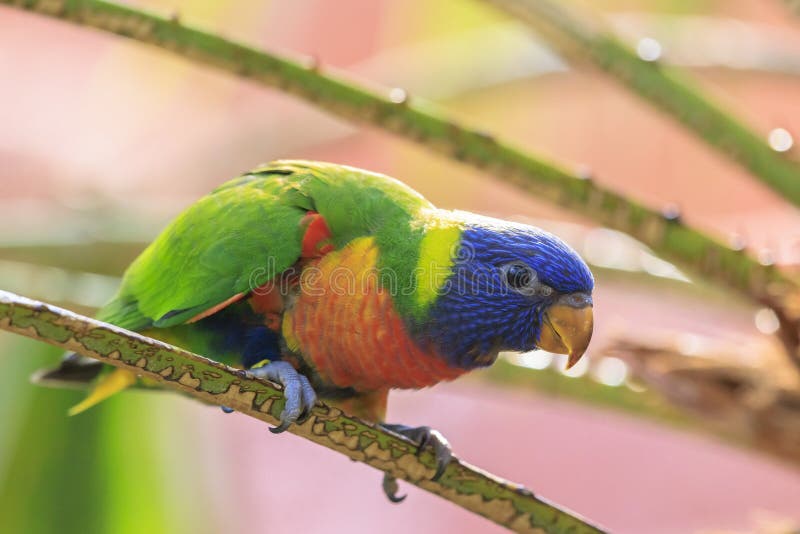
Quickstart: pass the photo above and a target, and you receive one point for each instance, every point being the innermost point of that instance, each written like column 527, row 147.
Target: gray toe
column 297, row 390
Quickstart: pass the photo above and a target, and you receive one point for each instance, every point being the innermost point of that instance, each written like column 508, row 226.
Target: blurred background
column 103, row 141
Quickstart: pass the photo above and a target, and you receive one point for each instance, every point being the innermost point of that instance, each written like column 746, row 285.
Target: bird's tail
column 76, row 371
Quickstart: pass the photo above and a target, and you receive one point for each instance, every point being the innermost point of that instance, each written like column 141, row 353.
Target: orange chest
column 342, row 322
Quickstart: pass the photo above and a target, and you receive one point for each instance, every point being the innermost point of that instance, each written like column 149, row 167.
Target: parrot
column 342, row 284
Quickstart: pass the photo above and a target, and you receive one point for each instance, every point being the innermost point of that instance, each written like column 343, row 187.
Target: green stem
column 665, row 87
column 794, row 5
column 667, row 235
column 503, row 502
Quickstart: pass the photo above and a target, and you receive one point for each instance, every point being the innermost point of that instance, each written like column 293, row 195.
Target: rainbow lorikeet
column 348, row 283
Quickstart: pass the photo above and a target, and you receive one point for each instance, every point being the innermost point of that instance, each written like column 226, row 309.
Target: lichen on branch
column 508, row 504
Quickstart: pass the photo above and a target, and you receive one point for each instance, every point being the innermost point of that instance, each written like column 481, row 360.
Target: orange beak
column 567, row 330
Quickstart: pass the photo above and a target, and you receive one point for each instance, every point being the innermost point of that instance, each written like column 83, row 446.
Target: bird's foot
column 300, row 396
column 424, row 436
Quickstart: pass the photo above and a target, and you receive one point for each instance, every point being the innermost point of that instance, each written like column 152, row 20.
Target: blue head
column 513, row 287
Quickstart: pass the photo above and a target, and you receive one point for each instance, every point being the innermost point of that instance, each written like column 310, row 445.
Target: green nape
column 415, row 240
column 357, row 203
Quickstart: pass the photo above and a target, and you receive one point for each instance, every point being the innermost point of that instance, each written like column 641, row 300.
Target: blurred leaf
column 98, row 472
column 50, row 461
column 100, row 257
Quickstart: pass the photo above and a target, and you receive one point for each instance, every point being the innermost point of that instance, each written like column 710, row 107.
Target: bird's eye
column 523, row 279
column 519, row 276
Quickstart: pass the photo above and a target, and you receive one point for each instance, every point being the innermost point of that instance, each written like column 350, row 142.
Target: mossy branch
column 503, row 502
column 579, row 38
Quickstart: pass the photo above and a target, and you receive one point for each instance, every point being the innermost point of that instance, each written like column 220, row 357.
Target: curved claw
column 441, row 450
column 280, row 428
column 297, row 390
column 390, row 489
column 309, row 400
column 303, row 417
column 426, row 436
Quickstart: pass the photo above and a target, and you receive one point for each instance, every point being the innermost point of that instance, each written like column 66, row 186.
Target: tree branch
column 793, row 5
column 665, row 233
column 503, row 502
column 740, row 402
column 578, row 38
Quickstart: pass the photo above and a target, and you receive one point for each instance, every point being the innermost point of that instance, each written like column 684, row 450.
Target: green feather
column 248, row 230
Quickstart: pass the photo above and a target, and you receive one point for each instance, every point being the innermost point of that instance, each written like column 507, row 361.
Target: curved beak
column 567, row 329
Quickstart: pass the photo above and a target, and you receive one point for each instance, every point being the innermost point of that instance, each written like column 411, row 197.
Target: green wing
column 238, row 237
column 248, row 230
